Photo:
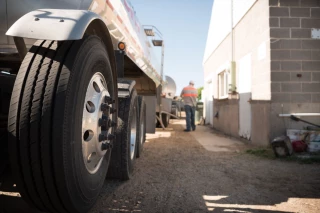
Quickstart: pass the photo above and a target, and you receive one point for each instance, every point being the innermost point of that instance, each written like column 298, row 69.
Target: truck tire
column 124, row 149
column 3, row 151
column 174, row 111
column 142, row 125
column 49, row 119
column 165, row 120
column 6, row 85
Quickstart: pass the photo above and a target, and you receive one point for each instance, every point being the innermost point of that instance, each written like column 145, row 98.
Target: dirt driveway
column 204, row 172
column 201, row 172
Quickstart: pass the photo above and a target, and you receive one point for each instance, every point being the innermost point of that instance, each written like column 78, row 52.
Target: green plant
column 199, row 93
column 266, row 153
column 232, row 88
column 304, row 158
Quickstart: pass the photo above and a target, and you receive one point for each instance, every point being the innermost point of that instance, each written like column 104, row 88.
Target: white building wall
column 220, row 23
column 219, row 30
column 251, row 36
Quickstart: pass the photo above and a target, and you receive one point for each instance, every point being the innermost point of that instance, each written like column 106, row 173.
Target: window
column 223, row 82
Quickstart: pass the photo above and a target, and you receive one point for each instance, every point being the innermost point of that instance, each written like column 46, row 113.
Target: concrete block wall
column 285, row 80
column 295, row 55
column 295, row 61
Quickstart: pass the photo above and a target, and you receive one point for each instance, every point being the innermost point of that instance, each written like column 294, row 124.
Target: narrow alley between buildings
column 204, row 171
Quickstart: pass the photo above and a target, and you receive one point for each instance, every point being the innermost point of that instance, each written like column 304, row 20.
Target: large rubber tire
column 174, row 111
column 142, row 125
column 6, row 86
column 3, row 146
column 122, row 163
column 165, row 120
column 45, row 124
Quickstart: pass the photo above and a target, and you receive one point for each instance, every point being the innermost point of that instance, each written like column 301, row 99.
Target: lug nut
column 105, row 107
column 103, row 121
column 106, row 146
column 109, row 123
column 112, row 110
column 102, row 137
column 111, row 137
column 109, row 100
column 113, row 124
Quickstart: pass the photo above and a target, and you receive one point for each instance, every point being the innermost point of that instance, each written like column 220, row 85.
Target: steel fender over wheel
column 124, row 149
column 58, row 133
column 142, row 125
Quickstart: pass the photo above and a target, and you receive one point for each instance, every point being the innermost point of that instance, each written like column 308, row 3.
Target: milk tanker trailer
column 79, row 88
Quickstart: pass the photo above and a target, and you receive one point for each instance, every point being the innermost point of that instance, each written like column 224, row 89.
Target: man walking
column 189, row 95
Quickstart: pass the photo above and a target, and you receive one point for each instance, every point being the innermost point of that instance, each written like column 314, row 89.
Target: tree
column 199, row 93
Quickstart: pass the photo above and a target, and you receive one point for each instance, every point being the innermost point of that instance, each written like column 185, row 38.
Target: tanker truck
column 79, row 87
column 171, row 106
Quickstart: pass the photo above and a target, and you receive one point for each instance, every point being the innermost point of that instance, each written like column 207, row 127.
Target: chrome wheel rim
column 142, row 132
column 92, row 128
column 133, row 133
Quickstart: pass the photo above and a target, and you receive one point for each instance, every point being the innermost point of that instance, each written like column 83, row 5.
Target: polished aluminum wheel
column 141, row 132
column 96, row 123
column 133, row 133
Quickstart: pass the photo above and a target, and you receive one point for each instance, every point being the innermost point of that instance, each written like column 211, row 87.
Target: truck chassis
column 76, row 103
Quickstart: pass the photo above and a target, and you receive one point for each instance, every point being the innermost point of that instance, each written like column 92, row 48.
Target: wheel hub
column 96, row 123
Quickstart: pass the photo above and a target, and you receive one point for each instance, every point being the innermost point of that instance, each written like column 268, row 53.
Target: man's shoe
column 194, row 129
column 186, row 130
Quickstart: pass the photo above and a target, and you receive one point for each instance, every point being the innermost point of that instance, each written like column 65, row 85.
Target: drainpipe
column 233, row 63
column 232, row 38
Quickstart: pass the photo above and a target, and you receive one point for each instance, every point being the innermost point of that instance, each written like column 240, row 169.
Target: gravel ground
column 177, row 174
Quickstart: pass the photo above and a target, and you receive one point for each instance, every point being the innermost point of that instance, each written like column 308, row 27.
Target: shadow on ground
column 177, row 173
column 189, row 172
column 10, row 200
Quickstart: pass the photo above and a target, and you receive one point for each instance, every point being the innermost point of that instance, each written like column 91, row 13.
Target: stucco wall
column 260, row 132
column 221, row 27
column 251, row 36
column 227, row 119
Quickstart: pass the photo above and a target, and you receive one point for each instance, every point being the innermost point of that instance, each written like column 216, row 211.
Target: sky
column 184, row 25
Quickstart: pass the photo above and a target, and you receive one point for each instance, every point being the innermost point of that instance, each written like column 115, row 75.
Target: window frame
column 223, row 84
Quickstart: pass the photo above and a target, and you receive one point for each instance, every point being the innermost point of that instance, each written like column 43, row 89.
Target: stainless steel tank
column 169, row 89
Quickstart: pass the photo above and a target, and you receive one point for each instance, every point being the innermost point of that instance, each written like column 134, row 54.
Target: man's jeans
column 190, row 111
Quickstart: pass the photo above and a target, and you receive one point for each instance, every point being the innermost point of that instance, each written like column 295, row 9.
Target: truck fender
column 62, row 25
column 53, row 24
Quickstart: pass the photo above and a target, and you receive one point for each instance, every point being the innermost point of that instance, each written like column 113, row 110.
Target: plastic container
column 282, row 146
column 199, row 111
column 315, row 137
column 296, row 134
column 314, row 147
column 299, row 146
